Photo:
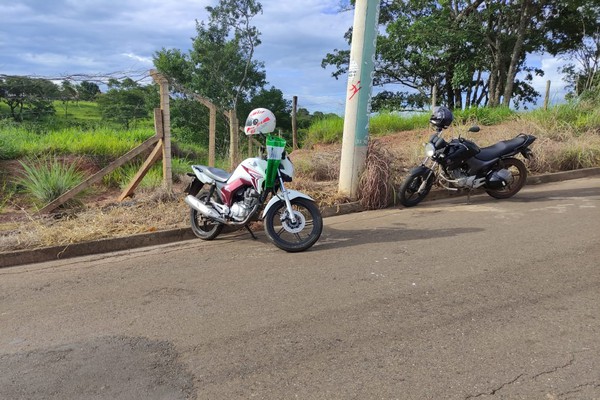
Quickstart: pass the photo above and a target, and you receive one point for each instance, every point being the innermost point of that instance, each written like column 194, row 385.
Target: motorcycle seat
column 501, row 148
column 217, row 174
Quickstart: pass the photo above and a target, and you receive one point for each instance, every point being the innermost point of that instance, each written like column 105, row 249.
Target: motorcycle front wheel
column 409, row 194
column 202, row 226
column 294, row 236
column 518, row 170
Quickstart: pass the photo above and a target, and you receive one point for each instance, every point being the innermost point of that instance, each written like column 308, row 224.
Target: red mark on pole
column 354, row 89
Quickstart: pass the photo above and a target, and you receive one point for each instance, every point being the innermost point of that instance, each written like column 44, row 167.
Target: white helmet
column 260, row 120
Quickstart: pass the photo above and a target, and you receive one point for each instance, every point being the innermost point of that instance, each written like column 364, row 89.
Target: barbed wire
column 98, row 78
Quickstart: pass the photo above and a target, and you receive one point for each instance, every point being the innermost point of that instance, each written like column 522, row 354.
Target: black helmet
column 441, row 117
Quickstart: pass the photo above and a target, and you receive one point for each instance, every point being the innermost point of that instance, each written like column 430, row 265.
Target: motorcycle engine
column 458, row 173
column 240, row 209
column 463, row 179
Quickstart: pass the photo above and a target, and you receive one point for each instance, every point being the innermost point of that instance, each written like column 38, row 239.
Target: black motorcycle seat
column 217, row 174
column 501, row 148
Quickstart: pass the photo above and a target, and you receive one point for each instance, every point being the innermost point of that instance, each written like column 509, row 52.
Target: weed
column 46, row 178
column 376, row 182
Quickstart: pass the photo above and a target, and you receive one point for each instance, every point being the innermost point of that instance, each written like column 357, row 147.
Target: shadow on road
column 525, row 196
column 338, row 238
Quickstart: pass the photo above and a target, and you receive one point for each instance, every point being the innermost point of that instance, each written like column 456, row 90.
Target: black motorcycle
column 461, row 165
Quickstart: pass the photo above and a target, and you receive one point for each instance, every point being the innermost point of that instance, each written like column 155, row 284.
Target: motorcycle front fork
column 288, row 203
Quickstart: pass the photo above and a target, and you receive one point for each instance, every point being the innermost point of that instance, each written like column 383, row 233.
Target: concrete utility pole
column 358, row 95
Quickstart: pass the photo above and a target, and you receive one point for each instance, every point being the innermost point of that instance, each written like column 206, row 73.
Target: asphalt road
column 447, row 300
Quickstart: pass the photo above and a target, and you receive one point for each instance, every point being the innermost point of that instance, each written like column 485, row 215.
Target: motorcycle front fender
column 420, row 170
column 292, row 194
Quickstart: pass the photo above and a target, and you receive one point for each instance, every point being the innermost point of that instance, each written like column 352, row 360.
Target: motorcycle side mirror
column 474, row 129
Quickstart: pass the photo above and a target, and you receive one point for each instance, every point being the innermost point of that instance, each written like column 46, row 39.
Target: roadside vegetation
column 568, row 138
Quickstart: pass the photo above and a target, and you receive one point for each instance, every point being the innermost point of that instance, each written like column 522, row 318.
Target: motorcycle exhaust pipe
column 203, row 208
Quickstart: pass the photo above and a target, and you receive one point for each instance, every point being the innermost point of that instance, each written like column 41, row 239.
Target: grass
column 330, row 129
column 7, row 192
column 109, row 143
column 386, row 123
column 47, row 178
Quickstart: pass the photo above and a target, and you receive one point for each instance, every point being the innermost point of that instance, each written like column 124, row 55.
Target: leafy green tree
column 88, row 91
column 471, row 50
column 220, row 65
column 28, row 98
column 125, row 102
column 303, row 118
column 67, row 93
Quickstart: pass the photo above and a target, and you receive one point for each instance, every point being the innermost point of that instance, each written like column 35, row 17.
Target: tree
column 220, row 65
column 582, row 44
column 28, row 98
column 88, row 91
column 124, row 102
column 67, row 93
column 471, row 51
column 303, row 118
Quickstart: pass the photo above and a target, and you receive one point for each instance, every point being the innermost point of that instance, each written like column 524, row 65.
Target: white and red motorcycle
column 292, row 221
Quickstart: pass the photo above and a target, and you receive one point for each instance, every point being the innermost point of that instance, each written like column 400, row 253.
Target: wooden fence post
column 547, row 97
column 166, row 117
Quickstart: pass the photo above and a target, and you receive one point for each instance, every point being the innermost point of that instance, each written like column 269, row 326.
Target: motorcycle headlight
column 429, row 149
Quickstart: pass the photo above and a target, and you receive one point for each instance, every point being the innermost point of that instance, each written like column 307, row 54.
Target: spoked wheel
column 409, row 193
column 518, row 173
column 294, row 236
column 202, row 226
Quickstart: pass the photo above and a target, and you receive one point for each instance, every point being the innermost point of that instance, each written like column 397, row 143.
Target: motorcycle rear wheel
column 518, row 171
column 298, row 236
column 408, row 193
column 203, row 227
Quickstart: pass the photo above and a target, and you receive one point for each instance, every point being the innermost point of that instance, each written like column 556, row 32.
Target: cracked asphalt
column 446, row 300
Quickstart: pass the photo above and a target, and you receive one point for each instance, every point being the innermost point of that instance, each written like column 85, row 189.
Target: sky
column 57, row 38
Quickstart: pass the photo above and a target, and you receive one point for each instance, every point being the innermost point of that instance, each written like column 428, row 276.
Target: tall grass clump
column 47, row 178
column 387, row 122
column 10, row 142
column 564, row 120
column 18, row 141
column 329, row 129
column 484, row 115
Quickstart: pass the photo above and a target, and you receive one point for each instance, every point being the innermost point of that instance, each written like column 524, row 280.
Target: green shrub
column 46, row 178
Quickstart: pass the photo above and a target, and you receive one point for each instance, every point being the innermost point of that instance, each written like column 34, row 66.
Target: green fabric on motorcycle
column 275, row 148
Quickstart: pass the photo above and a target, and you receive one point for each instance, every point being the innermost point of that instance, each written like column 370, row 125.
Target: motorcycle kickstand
column 251, row 233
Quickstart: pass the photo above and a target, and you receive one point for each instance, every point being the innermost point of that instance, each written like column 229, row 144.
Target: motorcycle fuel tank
column 458, row 151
